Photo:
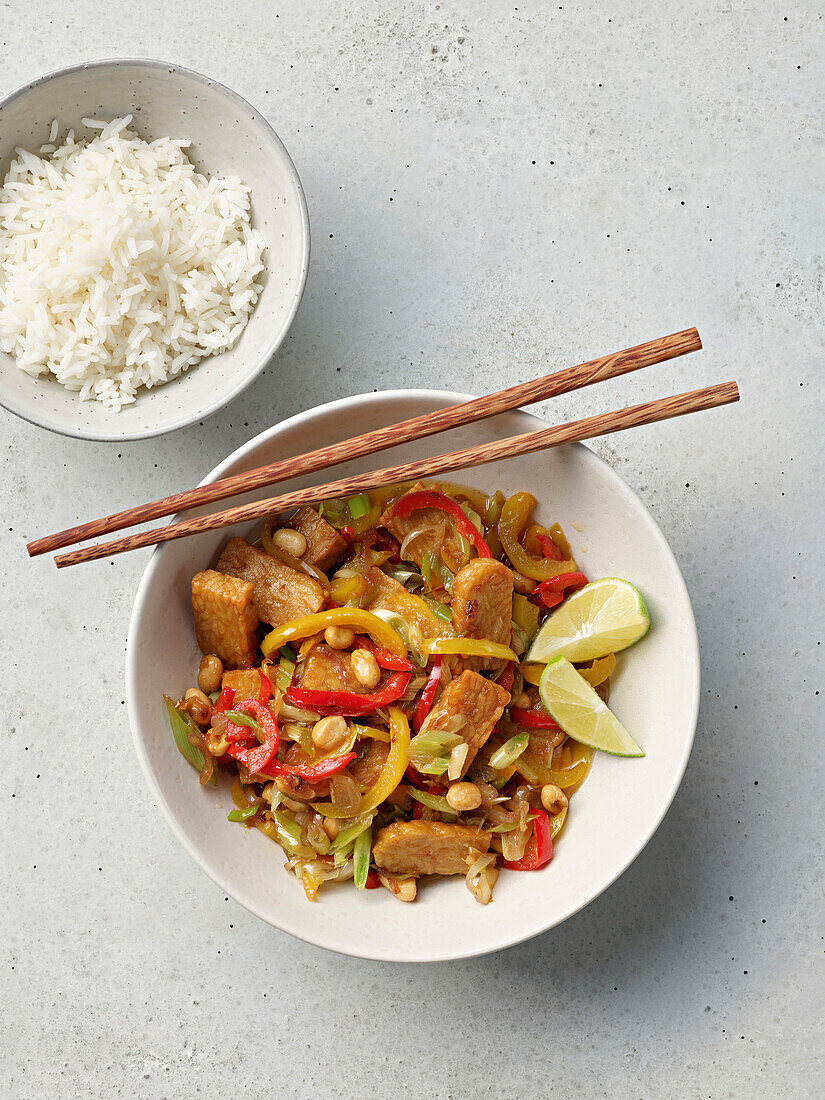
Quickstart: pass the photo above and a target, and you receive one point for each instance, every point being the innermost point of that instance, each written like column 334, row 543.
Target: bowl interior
column 655, row 694
column 229, row 138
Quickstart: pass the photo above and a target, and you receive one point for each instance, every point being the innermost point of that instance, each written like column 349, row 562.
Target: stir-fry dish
column 408, row 683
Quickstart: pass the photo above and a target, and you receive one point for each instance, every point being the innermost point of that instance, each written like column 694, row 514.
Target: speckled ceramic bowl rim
column 358, row 950
column 201, row 414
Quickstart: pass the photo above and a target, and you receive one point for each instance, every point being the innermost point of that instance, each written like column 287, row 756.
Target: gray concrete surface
column 494, row 189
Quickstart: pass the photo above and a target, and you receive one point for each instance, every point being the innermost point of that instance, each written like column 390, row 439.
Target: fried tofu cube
column 367, row 767
column 281, row 592
column 483, row 605
column 327, row 669
column 226, row 622
column 483, row 600
column 246, row 683
column 386, row 594
column 324, row 545
column 428, row 848
column 479, row 702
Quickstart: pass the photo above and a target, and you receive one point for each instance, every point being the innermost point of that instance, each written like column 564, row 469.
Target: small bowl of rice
column 154, row 246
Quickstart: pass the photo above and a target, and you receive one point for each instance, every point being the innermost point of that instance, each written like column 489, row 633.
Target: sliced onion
column 295, row 714
column 513, row 844
column 408, row 539
column 457, row 758
column 481, row 878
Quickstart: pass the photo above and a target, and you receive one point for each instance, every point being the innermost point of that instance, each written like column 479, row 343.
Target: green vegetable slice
column 361, row 858
column 359, row 506
column 181, row 725
column 243, row 815
column 509, row 752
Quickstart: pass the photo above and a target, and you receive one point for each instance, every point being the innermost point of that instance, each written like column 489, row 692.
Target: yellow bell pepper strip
column 531, row 673
column 371, row 732
column 364, row 621
column 470, row 647
column 347, row 588
column 427, row 498
column 599, row 670
column 514, row 515
column 557, row 823
column 526, row 615
column 571, row 763
column 391, row 775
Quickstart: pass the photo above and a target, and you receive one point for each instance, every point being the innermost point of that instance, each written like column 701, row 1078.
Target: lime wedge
column 571, row 701
column 603, row 617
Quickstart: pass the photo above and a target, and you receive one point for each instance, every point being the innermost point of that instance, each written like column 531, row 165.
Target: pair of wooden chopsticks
column 551, row 385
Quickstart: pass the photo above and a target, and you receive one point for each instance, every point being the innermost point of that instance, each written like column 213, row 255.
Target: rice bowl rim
column 107, row 435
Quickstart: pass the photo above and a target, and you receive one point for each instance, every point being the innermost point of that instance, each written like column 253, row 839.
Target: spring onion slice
column 432, row 801
column 361, row 853
column 359, row 506
column 346, row 836
column 429, row 752
column 241, row 719
column 244, row 815
column 509, row 752
column 473, row 517
column 180, row 730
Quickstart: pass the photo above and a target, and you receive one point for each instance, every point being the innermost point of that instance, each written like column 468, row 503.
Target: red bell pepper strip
column 347, row 533
column 266, row 687
column 507, row 677
column 257, row 758
column 426, row 498
column 349, row 702
column 533, row 719
column 224, row 700
column 418, row 811
column 539, row 850
column 427, row 696
column 551, row 592
column 549, row 548
column 313, row 773
column 384, row 658
column 373, row 881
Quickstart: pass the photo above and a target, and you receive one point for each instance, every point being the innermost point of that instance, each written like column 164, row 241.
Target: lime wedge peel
column 603, row 617
column 571, row 701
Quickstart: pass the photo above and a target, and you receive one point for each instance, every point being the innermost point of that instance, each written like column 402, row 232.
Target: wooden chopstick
column 648, row 413
column 479, row 408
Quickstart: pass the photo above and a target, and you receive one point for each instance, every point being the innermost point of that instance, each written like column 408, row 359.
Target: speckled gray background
column 494, row 189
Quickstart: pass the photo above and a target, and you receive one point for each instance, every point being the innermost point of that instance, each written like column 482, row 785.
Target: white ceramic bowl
column 229, row 138
column 656, row 694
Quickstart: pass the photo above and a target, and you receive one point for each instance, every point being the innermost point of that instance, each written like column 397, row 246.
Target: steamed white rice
column 120, row 265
